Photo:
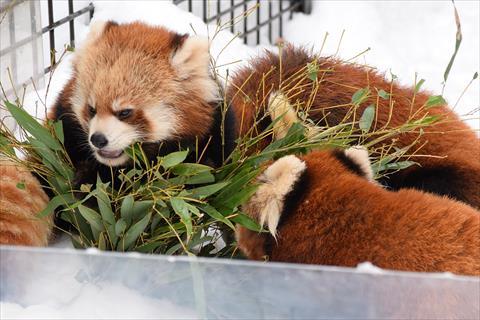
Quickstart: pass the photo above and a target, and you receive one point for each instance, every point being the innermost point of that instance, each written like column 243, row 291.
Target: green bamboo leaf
column 458, row 41
column 247, row 222
column 149, row 247
column 55, row 202
column 190, row 169
column 134, row 232
column 29, row 124
column 141, row 208
column 206, row 191
column 383, row 94
column 237, row 184
column 435, row 101
column 48, row 156
column 126, row 209
column 5, row 145
column 360, row 96
column 240, row 197
column 427, row 120
column 174, row 158
column 120, row 227
column 102, row 242
column 104, row 204
column 212, row 212
column 367, row 118
column 312, row 70
column 397, row 165
column 173, row 249
column 181, row 209
column 200, row 178
column 93, row 218
column 418, row 86
column 58, row 129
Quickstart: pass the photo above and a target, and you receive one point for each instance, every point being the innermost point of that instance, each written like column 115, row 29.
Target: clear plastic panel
column 64, row 283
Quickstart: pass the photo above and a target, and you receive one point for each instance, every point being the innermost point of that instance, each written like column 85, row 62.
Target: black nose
column 98, row 140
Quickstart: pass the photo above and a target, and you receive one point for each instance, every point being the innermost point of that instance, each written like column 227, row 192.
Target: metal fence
column 264, row 23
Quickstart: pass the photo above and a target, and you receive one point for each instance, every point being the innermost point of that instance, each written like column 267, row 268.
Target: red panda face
column 136, row 83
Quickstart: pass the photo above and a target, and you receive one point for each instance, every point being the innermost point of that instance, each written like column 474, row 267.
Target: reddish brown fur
column 344, row 220
column 133, row 62
column 18, row 207
column 338, row 82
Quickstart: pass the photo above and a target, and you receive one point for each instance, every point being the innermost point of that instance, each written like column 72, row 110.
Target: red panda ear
column 98, row 28
column 358, row 155
column 192, row 57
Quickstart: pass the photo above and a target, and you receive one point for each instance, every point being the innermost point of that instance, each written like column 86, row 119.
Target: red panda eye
column 124, row 114
column 91, row 111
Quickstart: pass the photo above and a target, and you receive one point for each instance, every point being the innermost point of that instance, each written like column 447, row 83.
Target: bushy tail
column 21, row 198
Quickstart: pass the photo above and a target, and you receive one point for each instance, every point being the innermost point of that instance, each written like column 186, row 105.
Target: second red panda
column 455, row 171
column 325, row 208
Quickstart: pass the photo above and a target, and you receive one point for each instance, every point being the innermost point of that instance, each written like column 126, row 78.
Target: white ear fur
column 96, row 30
column 359, row 155
column 280, row 107
column 192, row 58
column 277, row 181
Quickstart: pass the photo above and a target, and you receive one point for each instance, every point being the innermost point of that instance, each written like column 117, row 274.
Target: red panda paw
column 277, row 181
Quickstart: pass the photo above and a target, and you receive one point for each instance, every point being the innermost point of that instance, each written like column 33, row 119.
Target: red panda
column 322, row 208
column 137, row 83
column 455, row 173
column 21, row 198
column 326, row 208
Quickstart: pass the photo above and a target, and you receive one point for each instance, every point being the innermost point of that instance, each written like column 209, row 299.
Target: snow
column 406, row 37
column 112, row 301
column 368, row 267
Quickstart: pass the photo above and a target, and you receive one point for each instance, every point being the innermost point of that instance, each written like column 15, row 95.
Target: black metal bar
column 232, row 15
column 245, row 21
column 270, row 21
column 91, row 10
column 71, row 24
column 51, row 32
column 258, row 21
column 280, row 21
column 205, row 10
